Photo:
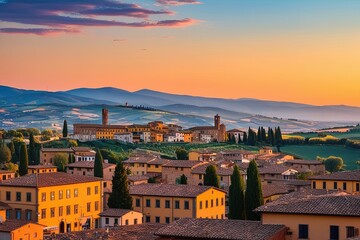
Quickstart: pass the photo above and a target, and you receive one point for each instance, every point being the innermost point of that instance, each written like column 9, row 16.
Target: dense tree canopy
column 237, row 196
column 120, row 195
column 211, row 178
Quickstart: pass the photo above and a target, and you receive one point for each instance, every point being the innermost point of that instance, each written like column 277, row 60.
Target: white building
column 124, row 137
column 83, row 137
column 145, row 137
column 205, row 138
column 119, row 217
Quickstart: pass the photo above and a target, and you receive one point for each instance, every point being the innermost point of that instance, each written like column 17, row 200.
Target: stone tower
column 217, row 121
column 105, row 116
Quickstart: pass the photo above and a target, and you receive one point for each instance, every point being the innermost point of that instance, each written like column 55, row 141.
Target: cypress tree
column 183, row 179
column 120, row 195
column 233, row 139
column 24, row 161
column 236, row 196
column 11, row 146
column 211, row 178
column 259, row 135
column 251, row 138
column 32, row 150
column 65, row 129
column 263, row 134
column 245, row 138
column 98, row 165
column 253, row 194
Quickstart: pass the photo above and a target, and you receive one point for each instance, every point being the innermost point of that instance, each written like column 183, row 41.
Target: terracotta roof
column 82, row 149
column 219, row 170
column 6, row 171
column 183, row 163
column 115, row 212
column 343, row 176
column 67, row 150
column 188, row 228
column 135, row 178
column 169, row 190
column 273, row 169
column 4, row 206
column 158, row 161
column 48, row 179
column 88, row 164
column 339, row 204
column 12, row 224
column 40, row 166
column 199, row 128
column 131, row 232
column 99, row 126
column 305, row 162
column 275, row 189
column 140, row 159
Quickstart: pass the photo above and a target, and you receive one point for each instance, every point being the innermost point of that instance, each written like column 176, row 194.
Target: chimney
column 105, row 116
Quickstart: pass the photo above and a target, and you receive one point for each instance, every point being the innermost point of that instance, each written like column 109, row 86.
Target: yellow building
column 348, row 181
column 165, row 203
column 266, row 150
column 20, row 230
column 62, row 202
column 157, row 137
column 145, row 163
column 202, row 155
column 320, row 217
column 41, row 169
column 5, row 174
column 113, row 217
column 173, row 170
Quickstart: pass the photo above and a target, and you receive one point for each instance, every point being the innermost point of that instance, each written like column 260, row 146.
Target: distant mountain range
column 190, row 110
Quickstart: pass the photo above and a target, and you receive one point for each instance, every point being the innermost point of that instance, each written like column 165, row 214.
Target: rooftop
column 169, row 190
column 275, row 189
column 343, row 176
column 273, row 169
column 67, row 150
column 88, row 164
column 188, row 228
column 219, row 170
column 82, row 149
column 135, row 178
column 12, row 224
column 199, row 128
column 305, row 162
column 140, row 159
column 338, row 203
column 115, row 212
column 47, row 180
column 40, row 166
column 183, row 163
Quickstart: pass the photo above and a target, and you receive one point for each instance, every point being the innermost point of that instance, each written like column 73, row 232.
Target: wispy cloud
column 69, row 16
column 177, row 2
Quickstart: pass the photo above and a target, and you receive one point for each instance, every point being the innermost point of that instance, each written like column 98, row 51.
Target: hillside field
column 350, row 155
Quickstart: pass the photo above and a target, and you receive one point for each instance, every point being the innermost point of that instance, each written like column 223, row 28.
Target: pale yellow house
column 172, row 170
column 348, row 181
column 138, row 164
column 60, row 201
column 113, row 217
column 5, row 174
column 41, row 169
column 165, row 203
column 202, row 155
column 321, row 217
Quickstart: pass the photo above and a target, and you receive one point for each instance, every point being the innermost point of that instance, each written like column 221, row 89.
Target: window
column 167, row 219
column 177, row 204
column 18, row 196
column 222, row 201
column 8, row 213
column 212, row 203
column 344, row 186
column 88, row 191
column 137, row 202
column 200, row 176
column 157, row 219
column 52, row 212
column 147, row 219
column 76, row 209
column 52, row 196
column 200, row 205
column 217, row 202
column 135, row 221
column 76, row 192
column 96, row 189
column 314, row 185
column 28, row 197
column 68, row 193
column 107, row 221
column 350, row 232
column 28, row 215
column 148, row 203
column 18, row 213
column 43, row 213
column 167, row 203
column 97, row 206
column 157, row 203
column 357, row 187
column 88, row 207
column 324, row 185
column 335, row 185
column 206, row 204
column 68, row 210
column 126, row 222
column 334, row 232
column 116, row 221
column 61, row 194
column 43, row 197
column 303, row 231
column 8, row 196
column 186, row 205
column 61, row 209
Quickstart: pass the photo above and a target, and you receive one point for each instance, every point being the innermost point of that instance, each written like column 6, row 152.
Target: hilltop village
column 75, row 192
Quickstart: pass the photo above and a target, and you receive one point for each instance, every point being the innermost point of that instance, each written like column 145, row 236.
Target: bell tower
column 217, row 121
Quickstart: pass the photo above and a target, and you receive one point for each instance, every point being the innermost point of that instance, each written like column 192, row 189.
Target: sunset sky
column 304, row 51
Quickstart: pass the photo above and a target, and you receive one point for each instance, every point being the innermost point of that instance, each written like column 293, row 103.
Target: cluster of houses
column 155, row 131
column 61, row 205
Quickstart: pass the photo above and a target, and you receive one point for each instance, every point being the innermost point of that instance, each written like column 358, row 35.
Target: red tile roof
column 183, row 163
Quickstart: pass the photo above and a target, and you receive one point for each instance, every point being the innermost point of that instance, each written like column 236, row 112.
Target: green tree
column 24, row 160
column 253, row 194
column 181, row 154
column 46, row 134
column 32, row 150
column 278, row 138
column 251, row 137
column 60, row 161
column 263, row 134
column 72, row 143
column 151, row 180
column 211, row 178
column 236, row 196
column 11, row 167
column 183, row 179
column 71, row 158
column 259, row 135
column 120, row 195
column 111, row 156
column 65, row 129
column 5, row 154
column 245, row 138
column 98, row 165
column 332, row 163
column 11, row 146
